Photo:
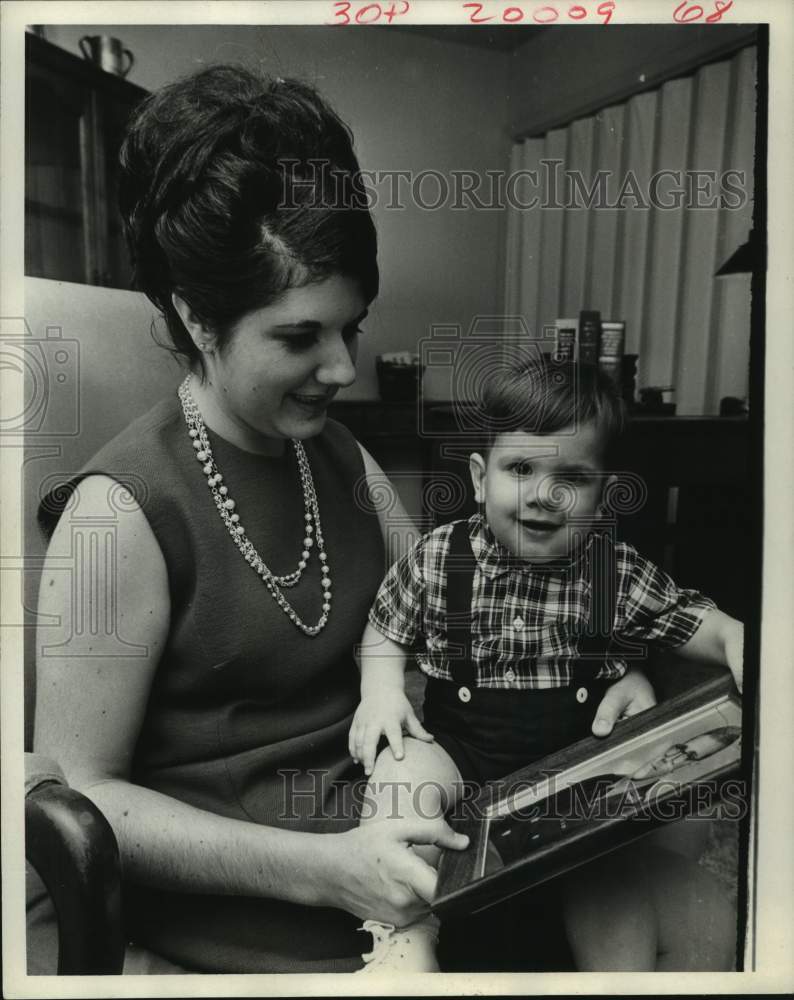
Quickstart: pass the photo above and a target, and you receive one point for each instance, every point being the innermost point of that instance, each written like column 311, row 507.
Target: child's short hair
column 543, row 396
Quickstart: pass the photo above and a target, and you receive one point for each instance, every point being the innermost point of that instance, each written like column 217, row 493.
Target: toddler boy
column 521, row 617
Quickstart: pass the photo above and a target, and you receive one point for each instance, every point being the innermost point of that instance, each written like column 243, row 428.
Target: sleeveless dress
column 248, row 716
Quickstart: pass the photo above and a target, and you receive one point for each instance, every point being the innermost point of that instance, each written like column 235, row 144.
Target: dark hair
column 543, row 396
column 234, row 188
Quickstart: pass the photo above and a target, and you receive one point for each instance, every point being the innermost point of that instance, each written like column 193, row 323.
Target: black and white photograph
column 396, row 439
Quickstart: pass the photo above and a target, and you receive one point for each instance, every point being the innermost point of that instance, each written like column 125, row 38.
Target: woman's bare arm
column 89, row 712
column 90, row 708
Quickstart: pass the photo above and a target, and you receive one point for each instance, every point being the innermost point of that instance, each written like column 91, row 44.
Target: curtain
column 608, row 230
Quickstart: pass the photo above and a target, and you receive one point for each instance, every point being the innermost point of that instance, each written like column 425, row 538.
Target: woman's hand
column 372, row 872
column 628, row 696
column 384, row 712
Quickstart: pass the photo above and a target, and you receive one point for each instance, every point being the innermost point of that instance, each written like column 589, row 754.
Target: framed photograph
column 677, row 759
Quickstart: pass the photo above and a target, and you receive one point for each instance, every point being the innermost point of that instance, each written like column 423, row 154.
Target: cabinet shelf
column 75, row 114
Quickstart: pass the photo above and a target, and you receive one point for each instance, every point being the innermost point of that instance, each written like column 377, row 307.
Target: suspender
column 461, row 565
column 593, row 640
column 602, row 576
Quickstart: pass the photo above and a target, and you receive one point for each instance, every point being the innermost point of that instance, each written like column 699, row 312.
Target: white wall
column 413, row 104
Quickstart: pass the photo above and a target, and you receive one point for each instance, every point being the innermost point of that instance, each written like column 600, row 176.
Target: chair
column 91, row 365
column 72, row 868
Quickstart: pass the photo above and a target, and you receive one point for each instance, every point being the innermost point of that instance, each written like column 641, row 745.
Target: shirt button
column 510, row 675
column 464, row 694
column 518, row 623
column 581, row 695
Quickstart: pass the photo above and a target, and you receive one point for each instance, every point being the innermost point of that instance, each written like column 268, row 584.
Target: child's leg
column 695, row 918
column 644, row 908
column 609, row 916
column 424, row 784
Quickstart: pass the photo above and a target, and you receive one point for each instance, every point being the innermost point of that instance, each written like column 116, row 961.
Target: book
column 610, row 351
column 564, row 339
column 679, row 757
column 613, row 340
column 589, row 336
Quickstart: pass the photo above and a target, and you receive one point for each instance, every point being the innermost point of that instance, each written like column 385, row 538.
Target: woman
column 217, row 748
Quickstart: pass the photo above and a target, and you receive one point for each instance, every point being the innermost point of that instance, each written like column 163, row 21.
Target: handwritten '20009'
column 483, row 13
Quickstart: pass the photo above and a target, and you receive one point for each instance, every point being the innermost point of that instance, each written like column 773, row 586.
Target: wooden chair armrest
column 72, row 847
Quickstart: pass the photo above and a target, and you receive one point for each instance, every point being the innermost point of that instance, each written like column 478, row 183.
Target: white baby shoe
column 409, row 949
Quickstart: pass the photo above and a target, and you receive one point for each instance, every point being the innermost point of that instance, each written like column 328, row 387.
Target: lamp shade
column 749, row 257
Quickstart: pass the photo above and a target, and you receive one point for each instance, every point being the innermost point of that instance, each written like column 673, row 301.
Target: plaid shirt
column 525, row 618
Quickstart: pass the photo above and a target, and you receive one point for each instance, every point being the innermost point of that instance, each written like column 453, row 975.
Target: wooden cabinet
column 75, row 115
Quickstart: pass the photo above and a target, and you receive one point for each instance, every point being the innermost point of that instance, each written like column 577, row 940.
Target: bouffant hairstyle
column 543, row 396
column 234, row 188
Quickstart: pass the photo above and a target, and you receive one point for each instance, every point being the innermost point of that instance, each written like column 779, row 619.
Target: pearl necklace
column 226, row 509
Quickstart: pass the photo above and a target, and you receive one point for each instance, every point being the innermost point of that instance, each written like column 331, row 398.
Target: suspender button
column 581, row 695
column 464, row 694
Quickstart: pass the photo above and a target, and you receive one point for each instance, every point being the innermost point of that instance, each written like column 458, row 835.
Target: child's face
column 537, row 487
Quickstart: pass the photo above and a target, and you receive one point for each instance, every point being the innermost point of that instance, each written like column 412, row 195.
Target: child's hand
column 633, row 693
column 387, row 712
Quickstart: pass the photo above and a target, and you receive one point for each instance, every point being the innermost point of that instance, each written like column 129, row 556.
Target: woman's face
column 282, row 365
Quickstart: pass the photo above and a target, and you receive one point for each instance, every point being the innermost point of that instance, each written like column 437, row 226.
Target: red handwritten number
column 376, row 11
column 720, row 7
column 343, row 11
column 392, row 12
column 684, row 13
column 476, row 8
column 549, row 14
column 361, row 17
column 605, row 10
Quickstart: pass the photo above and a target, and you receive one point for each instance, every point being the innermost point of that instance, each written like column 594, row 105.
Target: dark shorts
column 502, row 730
